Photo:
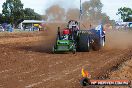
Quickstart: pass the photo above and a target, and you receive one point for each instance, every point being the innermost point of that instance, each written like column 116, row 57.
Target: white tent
column 31, row 22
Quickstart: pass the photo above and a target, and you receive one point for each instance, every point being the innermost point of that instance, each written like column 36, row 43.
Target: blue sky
column 110, row 6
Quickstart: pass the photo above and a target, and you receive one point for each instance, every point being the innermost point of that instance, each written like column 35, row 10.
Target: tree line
column 13, row 12
column 91, row 11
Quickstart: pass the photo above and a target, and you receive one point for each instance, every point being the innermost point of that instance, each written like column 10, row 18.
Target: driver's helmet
column 73, row 25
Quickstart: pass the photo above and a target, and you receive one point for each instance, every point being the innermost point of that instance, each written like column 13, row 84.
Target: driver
column 66, row 33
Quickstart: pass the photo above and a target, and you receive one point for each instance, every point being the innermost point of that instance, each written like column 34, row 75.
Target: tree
column 12, row 10
column 92, row 7
column 55, row 13
column 29, row 14
column 1, row 18
column 105, row 18
column 92, row 12
column 125, row 13
column 95, row 5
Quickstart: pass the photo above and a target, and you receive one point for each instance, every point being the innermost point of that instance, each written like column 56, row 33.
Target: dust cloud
column 115, row 39
column 73, row 14
column 55, row 13
column 49, row 37
column 118, row 39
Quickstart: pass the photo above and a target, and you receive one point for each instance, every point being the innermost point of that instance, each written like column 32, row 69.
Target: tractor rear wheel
column 84, row 43
column 96, row 44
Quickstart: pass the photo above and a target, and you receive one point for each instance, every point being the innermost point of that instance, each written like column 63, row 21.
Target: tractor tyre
column 84, row 43
column 96, row 44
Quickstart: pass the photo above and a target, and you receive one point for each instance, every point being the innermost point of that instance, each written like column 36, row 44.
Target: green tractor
column 73, row 39
column 64, row 46
column 64, row 42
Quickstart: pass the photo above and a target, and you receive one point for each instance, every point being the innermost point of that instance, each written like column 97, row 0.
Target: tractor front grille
column 62, row 47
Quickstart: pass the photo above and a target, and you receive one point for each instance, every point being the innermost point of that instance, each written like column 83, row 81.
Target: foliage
column 14, row 13
column 125, row 13
column 1, row 18
column 29, row 14
column 91, row 11
column 55, row 13
column 12, row 10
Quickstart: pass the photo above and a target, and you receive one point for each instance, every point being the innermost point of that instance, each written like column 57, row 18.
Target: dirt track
column 27, row 63
column 124, row 72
